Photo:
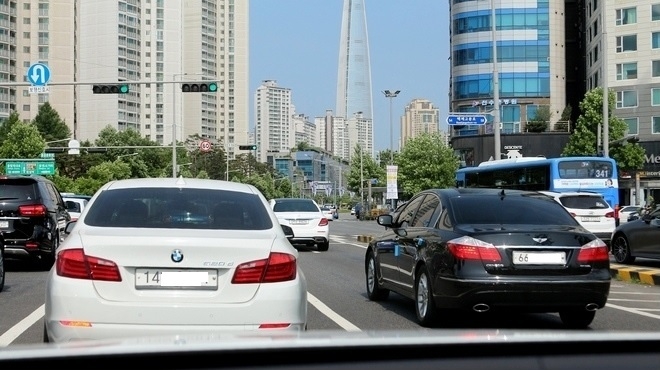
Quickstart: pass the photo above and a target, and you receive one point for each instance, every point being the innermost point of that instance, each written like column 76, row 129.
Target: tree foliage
column 7, row 124
column 50, row 125
column 425, row 163
column 364, row 166
column 22, row 141
column 583, row 141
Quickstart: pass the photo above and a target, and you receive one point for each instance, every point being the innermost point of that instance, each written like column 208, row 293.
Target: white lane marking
column 341, row 241
column 634, row 293
column 332, row 315
column 633, row 310
column 633, row 300
column 15, row 331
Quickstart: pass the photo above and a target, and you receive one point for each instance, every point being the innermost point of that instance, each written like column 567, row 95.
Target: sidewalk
column 637, row 274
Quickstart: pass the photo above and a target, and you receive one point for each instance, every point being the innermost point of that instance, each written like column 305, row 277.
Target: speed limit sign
column 205, row 146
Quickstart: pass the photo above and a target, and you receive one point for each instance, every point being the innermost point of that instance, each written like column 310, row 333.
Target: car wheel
column 425, row 309
column 2, row 268
column 577, row 318
column 621, row 250
column 374, row 291
column 47, row 260
column 322, row 247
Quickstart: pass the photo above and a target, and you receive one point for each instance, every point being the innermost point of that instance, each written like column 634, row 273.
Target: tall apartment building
column 360, row 133
column 274, row 127
column 108, row 41
column 531, row 55
column 354, row 95
column 631, row 56
column 420, row 116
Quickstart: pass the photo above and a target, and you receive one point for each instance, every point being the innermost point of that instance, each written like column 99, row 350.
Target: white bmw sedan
column 166, row 256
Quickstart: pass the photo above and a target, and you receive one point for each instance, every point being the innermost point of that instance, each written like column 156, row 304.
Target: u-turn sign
column 38, row 74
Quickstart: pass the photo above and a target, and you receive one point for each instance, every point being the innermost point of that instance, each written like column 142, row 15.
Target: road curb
column 622, row 272
column 635, row 274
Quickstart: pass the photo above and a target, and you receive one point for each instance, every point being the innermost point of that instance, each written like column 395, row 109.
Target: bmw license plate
column 4, row 224
column 539, row 258
column 176, row 279
column 590, row 219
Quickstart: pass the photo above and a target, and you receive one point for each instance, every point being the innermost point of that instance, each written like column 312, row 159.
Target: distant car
column 164, row 256
column 75, row 206
column 488, row 249
column 590, row 210
column 310, row 225
column 330, row 213
column 32, row 218
column 626, row 211
column 637, row 238
column 353, row 211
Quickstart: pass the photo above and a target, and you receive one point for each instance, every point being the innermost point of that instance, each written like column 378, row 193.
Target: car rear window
column 178, row 208
column 295, row 206
column 531, row 210
column 583, row 202
column 18, row 189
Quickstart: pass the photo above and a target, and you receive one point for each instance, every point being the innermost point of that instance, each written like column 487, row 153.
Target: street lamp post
column 391, row 94
column 496, row 85
column 174, row 88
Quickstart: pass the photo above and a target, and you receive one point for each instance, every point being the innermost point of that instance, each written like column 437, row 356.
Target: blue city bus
column 595, row 174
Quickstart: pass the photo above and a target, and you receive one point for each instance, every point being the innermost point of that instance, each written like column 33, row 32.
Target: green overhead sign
column 30, row 168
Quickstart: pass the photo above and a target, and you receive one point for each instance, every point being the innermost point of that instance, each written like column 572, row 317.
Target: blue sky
column 296, row 43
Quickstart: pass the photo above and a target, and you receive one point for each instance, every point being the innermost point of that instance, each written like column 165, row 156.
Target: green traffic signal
column 123, row 89
column 247, row 147
column 213, row 87
column 200, row 87
column 111, row 89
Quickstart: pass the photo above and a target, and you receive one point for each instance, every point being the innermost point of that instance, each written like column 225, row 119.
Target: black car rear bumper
column 537, row 296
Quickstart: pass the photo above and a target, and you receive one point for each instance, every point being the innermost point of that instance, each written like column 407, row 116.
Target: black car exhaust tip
column 591, row 307
column 481, row 307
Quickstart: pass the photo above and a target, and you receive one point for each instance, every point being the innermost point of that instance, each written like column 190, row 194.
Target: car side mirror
column 69, row 227
column 385, row 220
column 288, row 231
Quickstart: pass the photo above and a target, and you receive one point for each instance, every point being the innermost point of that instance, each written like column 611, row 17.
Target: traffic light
column 111, row 89
column 200, row 87
column 247, row 147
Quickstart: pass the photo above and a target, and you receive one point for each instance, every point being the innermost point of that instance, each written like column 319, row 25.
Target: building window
column 626, row 43
column 655, row 40
column 626, row 16
column 633, row 125
column 26, row 107
column 655, row 97
column 626, row 71
column 655, row 125
column 626, row 99
column 655, row 68
column 655, row 12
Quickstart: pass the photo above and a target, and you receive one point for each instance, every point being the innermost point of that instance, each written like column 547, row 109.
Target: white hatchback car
column 310, row 225
column 165, row 256
column 590, row 210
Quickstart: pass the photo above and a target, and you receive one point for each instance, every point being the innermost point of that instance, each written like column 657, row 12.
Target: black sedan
column 489, row 249
column 637, row 238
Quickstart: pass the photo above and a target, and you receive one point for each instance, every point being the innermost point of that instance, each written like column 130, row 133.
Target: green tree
column 50, row 125
column 22, row 141
column 426, row 162
column 150, row 162
column 539, row 123
column 7, row 124
column 583, row 140
column 366, row 168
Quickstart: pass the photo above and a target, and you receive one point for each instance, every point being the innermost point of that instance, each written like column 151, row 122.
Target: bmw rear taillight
column 277, row 267
column 323, row 222
column 594, row 251
column 468, row 248
column 73, row 263
column 32, row 210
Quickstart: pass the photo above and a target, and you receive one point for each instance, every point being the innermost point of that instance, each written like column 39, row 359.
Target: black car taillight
column 32, row 210
column 468, row 248
column 278, row 267
column 594, row 251
column 73, row 263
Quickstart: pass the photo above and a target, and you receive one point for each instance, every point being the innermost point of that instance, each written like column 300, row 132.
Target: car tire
column 620, row 249
column 374, row 291
column 577, row 318
column 323, row 247
column 47, row 260
column 425, row 309
column 2, row 267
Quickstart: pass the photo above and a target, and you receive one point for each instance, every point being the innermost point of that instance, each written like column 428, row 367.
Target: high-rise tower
column 354, row 76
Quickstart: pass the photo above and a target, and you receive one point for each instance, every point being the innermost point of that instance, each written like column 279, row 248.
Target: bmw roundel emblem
column 177, row 255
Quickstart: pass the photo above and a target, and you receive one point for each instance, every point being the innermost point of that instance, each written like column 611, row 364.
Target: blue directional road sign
column 466, row 120
column 38, row 74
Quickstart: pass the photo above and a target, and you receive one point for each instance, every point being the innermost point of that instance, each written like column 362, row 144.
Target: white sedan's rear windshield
column 295, row 206
column 179, row 209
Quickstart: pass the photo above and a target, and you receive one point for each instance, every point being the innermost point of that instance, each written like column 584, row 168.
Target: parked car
column 32, row 218
column 310, row 225
column 168, row 256
column 626, row 211
column 591, row 210
column 637, row 238
column 488, row 249
column 75, row 206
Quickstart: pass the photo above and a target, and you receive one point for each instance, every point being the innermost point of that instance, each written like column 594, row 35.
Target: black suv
column 32, row 218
